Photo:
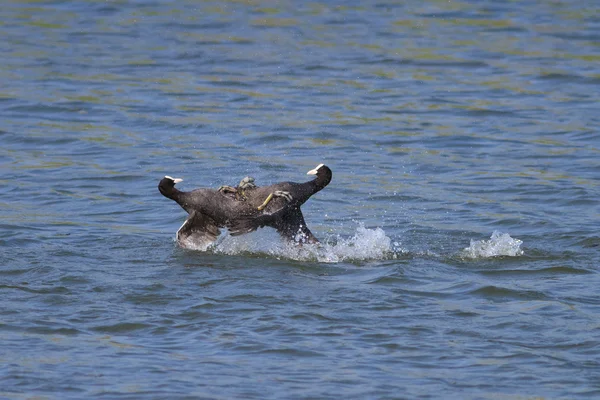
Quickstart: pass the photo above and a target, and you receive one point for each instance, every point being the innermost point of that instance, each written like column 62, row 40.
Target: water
column 460, row 232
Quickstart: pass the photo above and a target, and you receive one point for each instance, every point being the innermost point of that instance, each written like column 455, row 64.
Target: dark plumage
column 211, row 209
column 286, row 218
column 238, row 192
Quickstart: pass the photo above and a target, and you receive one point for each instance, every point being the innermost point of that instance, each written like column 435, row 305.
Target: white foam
column 365, row 244
column 500, row 244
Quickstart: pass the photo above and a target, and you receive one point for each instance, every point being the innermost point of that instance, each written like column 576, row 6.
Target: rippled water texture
column 460, row 252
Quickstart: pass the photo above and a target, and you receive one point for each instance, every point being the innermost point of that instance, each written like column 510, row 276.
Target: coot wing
column 198, row 230
column 293, row 227
column 250, row 223
column 288, row 221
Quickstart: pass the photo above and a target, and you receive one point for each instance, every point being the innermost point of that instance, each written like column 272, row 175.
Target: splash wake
column 366, row 244
column 500, row 244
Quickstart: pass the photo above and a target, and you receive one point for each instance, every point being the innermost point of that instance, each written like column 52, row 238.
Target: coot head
column 171, row 181
column 323, row 174
column 167, row 185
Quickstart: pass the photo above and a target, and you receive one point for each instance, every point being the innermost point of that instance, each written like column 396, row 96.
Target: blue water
column 460, row 254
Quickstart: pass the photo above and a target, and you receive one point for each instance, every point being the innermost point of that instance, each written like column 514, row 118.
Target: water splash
column 191, row 244
column 366, row 244
column 500, row 244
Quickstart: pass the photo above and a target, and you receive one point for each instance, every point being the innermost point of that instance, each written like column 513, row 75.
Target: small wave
column 500, row 244
column 366, row 244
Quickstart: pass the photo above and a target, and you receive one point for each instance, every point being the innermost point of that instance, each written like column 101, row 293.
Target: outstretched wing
column 250, row 223
column 197, row 232
column 288, row 221
column 293, row 227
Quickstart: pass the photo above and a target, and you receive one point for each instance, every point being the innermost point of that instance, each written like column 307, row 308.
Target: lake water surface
column 461, row 249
